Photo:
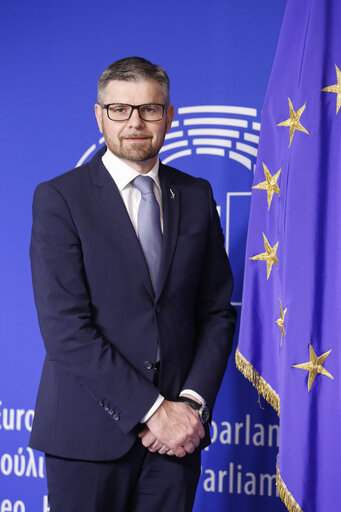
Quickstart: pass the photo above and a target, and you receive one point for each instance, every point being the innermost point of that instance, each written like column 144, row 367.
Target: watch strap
column 192, row 403
column 203, row 410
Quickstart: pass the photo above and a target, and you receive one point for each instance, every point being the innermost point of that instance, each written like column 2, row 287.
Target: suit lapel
column 171, row 212
column 111, row 203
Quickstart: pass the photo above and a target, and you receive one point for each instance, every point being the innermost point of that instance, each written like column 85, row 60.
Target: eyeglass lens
column 122, row 112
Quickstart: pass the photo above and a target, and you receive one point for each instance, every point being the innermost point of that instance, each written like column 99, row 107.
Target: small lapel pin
column 172, row 193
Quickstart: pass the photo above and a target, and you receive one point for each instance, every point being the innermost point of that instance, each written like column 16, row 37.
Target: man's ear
column 170, row 115
column 99, row 116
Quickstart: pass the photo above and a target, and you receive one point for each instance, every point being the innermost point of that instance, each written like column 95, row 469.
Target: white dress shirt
column 123, row 175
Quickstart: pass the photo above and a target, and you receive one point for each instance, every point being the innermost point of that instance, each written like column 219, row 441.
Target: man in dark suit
column 132, row 287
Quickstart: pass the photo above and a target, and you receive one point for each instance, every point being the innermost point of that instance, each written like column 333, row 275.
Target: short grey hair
column 132, row 69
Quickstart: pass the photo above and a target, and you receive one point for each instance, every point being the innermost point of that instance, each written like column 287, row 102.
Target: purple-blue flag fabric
column 289, row 344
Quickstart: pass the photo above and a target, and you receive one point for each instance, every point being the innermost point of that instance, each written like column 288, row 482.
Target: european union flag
column 290, row 337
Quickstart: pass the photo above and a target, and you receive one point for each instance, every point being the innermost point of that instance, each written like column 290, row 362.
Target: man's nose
column 135, row 120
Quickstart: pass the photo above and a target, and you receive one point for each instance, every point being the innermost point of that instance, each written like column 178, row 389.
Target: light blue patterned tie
column 148, row 226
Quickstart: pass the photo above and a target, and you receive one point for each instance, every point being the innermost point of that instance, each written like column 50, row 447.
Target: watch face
column 204, row 414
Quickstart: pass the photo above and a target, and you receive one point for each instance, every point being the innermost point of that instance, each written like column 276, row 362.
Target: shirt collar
column 123, row 174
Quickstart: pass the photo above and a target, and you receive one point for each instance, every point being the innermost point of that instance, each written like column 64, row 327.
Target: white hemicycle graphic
column 202, row 134
column 220, row 130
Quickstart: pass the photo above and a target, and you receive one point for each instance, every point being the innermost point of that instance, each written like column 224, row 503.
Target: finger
column 198, row 433
column 143, row 432
column 189, row 447
column 195, row 437
column 148, row 439
column 196, row 441
column 201, row 432
column 155, row 447
column 179, row 451
column 170, row 453
column 164, row 449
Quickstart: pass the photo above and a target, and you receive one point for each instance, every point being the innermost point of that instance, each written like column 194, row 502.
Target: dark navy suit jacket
column 100, row 319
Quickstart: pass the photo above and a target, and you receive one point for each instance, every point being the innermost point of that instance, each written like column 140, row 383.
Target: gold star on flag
column 280, row 320
column 336, row 88
column 269, row 256
column 314, row 366
column 294, row 121
column 270, row 185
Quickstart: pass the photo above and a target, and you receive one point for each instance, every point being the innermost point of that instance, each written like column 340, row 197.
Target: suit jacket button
column 116, row 416
column 158, row 308
column 106, row 407
column 111, row 412
column 101, row 403
column 148, row 365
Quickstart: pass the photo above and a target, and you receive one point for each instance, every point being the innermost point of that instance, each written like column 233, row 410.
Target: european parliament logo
column 228, row 137
column 202, row 132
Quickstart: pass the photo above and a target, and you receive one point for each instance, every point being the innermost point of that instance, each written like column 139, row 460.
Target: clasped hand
column 174, row 429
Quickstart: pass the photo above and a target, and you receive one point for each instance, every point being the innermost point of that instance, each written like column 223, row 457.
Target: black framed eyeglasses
column 123, row 111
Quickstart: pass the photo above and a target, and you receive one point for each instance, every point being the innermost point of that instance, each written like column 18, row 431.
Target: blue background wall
column 217, row 53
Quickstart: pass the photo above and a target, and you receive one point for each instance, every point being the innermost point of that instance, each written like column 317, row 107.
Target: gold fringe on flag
column 249, row 372
column 286, row 496
column 264, row 388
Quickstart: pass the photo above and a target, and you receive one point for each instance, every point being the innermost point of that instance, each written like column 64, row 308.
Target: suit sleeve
column 70, row 335
column 215, row 317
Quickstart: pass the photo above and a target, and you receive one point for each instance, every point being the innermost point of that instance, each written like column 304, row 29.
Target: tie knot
column 144, row 184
